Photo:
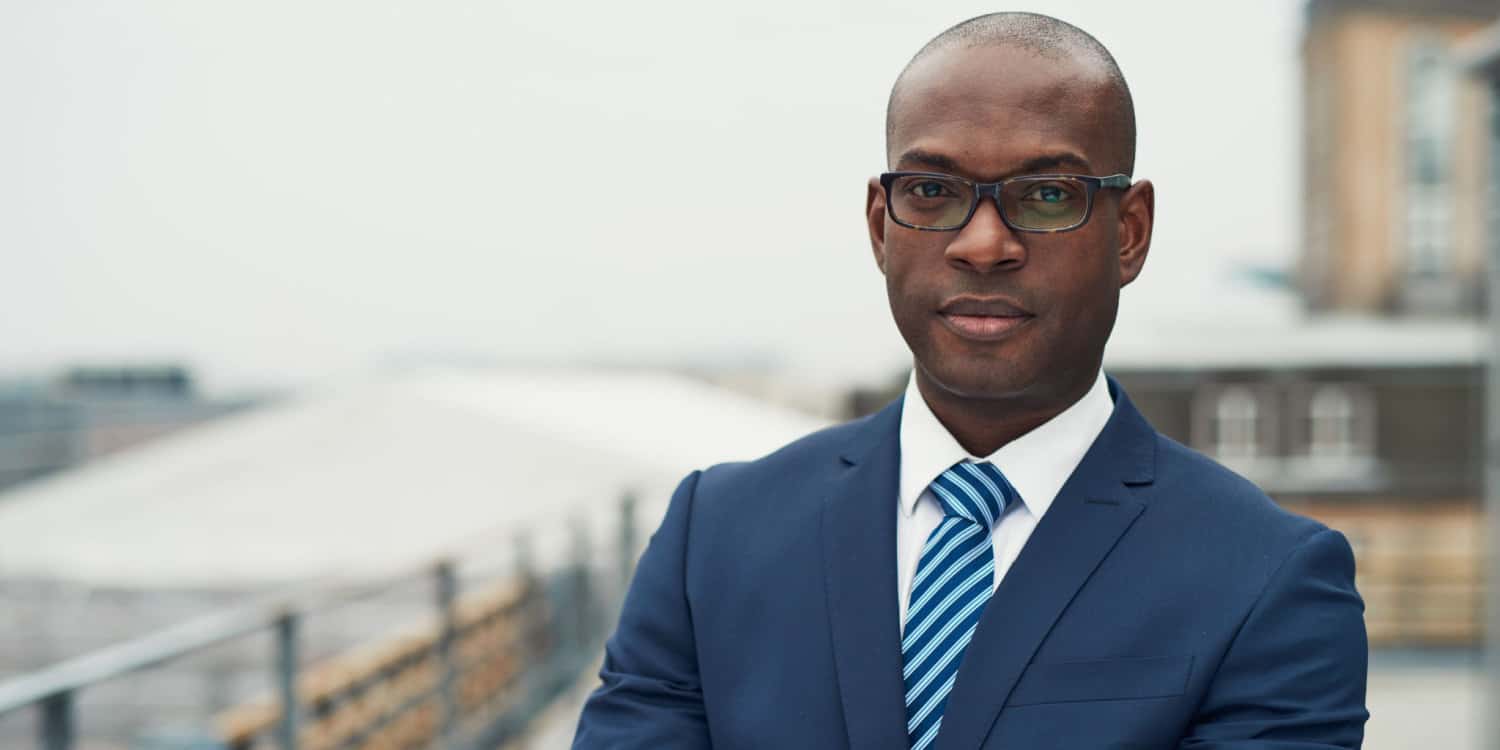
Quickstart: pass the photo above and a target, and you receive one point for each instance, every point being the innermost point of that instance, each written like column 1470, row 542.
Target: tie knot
column 974, row 491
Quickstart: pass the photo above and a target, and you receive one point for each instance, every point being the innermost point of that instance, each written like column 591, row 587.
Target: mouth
column 983, row 318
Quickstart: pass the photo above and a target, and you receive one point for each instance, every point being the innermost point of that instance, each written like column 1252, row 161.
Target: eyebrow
column 1035, row 164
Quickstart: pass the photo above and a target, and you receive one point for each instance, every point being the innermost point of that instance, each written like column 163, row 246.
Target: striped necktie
column 955, row 577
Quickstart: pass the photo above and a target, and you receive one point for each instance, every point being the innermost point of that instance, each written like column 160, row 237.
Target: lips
column 983, row 318
column 990, row 307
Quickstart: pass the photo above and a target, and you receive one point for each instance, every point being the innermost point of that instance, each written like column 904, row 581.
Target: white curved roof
column 1232, row 322
column 357, row 480
column 1310, row 341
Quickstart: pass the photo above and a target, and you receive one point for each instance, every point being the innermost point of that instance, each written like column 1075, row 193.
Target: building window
column 1237, row 420
column 1431, row 100
column 1339, row 423
column 1331, row 413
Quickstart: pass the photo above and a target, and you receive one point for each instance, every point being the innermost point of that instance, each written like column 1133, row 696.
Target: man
column 1009, row 556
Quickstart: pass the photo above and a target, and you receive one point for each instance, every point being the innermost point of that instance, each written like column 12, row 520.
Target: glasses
column 1034, row 203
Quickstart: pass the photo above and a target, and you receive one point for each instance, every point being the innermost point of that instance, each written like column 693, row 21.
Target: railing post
column 447, row 598
column 628, row 541
column 524, row 563
column 287, row 627
column 534, row 621
column 582, row 594
column 57, row 722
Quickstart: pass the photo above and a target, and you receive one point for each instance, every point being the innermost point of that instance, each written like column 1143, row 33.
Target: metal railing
column 495, row 658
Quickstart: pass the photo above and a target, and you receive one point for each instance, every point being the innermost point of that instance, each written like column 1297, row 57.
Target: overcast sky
column 291, row 192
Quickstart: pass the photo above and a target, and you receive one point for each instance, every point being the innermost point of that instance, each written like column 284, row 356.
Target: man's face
column 989, row 312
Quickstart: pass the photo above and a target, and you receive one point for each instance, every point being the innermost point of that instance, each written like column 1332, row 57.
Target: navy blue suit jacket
column 1162, row 602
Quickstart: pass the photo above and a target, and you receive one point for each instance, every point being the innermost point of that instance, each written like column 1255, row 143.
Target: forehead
column 990, row 110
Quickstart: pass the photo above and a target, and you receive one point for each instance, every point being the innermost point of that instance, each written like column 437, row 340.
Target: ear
column 1137, row 216
column 875, row 218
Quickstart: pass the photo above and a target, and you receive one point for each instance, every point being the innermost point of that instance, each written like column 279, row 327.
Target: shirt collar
column 1037, row 463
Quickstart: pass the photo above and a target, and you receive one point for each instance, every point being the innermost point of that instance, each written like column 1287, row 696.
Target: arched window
column 1237, row 421
column 1340, row 421
column 1331, row 413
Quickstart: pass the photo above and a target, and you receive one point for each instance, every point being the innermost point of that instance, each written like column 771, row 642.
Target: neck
column 984, row 425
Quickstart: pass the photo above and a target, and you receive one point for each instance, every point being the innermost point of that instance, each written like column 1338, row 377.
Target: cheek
column 911, row 289
column 1090, row 261
column 1087, row 310
column 908, row 270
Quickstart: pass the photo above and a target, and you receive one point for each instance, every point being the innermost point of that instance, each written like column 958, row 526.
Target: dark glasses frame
column 981, row 190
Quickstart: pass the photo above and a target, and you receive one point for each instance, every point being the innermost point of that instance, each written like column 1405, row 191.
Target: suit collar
column 1092, row 511
column 1131, row 451
column 859, row 547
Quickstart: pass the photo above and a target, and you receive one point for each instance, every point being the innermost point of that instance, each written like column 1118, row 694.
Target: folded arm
column 1294, row 677
column 651, row 696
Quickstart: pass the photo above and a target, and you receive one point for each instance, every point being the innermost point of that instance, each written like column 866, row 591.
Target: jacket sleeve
column 1294, row 676
column 650, row 696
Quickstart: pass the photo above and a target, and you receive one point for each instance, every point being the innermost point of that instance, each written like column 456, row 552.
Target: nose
column 986, row 244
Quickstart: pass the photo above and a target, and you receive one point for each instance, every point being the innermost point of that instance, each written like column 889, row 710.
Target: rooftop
column 1310, row 342
column 359, row 480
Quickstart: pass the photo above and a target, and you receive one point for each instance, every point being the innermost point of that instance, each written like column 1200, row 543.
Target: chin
column 979, row 379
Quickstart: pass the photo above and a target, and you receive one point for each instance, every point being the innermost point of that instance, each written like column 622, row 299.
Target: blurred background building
column 51, row 423
column 1395, row 149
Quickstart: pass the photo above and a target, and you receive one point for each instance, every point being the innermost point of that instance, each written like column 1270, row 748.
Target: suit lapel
column 1090, row 514
column 859, row 543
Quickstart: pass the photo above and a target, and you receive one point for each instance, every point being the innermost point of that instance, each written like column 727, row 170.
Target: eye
column 1049, row 192
column 929, row 189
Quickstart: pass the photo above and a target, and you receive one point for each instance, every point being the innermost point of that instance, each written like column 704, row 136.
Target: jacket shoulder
column 806, row 457
column 1204, row 490
column 743, row 510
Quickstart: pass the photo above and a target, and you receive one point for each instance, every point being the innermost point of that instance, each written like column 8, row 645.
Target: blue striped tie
column 955, row 577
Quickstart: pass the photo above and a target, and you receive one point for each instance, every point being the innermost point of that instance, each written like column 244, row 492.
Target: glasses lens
column 930, row 202
column 1045, row 203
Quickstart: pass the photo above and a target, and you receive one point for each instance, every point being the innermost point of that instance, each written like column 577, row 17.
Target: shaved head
column 1072, row 51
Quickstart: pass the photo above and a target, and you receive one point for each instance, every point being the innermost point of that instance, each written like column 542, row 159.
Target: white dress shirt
column 1037, row 464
